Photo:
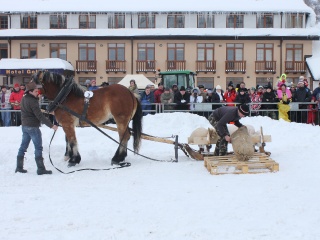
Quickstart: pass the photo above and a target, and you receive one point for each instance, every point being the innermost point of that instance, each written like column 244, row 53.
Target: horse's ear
column 40, row 74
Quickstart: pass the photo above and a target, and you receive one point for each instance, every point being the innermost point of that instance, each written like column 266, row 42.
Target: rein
column 83, row 169
column 107, row 135
column 61, row 96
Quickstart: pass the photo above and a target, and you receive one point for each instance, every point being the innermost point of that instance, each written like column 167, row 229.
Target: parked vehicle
column 184, row 78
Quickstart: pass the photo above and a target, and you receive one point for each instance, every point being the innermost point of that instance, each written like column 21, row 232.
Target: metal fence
column 300, row 112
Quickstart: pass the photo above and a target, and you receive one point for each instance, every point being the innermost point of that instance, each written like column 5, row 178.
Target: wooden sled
column 258, row 163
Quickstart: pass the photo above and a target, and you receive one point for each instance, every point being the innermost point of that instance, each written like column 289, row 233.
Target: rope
column 108, row 136
column 83, row 169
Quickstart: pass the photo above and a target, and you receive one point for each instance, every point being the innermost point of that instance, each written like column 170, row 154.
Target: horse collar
column 87, row 96
column 61, row 96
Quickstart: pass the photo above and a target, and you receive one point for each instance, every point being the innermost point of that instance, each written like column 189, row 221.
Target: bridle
column 37, row 80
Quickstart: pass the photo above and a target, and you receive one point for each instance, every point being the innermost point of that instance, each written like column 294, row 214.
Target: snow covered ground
column 162, row 200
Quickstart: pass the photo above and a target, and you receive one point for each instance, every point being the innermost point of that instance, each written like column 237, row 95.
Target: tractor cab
column 181, row 78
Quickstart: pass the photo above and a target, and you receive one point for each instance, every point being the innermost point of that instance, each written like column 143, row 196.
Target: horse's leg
column 72, row 146
column 67, row 152
column 124, row 136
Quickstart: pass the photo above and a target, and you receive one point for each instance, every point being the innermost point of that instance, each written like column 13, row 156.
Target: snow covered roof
column 160, row 6
column 175, row 32
column 56, row 64
column 314, row 61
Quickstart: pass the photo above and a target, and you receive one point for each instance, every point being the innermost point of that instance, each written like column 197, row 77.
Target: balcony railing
column 235, row 66
column 266, row 66
column 86, row 66
column 206, row 66
column 115, row 66
column 146, row 66
column 295, row 67
column 176, row 65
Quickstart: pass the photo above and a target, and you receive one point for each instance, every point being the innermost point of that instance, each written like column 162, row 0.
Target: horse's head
column 51, row 82
column 36, row 77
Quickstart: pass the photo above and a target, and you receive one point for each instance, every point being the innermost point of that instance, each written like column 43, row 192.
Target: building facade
column 221, row 46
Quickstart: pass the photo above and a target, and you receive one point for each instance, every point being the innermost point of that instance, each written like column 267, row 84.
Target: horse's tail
column 137, row 127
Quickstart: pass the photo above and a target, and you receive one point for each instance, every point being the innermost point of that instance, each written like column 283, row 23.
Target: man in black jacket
column 219, row 120
column 182, row 99
column 269, row 97
column 31, row 118
column 302, row 94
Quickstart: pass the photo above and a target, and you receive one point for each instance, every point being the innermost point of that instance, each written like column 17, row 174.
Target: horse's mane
column 59, row 80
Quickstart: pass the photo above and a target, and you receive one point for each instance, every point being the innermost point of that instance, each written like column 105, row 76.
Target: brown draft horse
column 114, row 101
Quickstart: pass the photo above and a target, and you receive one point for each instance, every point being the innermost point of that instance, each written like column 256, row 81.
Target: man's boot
column 20, row 165
column 41, row 168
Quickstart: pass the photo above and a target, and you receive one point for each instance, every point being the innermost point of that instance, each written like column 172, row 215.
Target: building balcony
column 86, row 66
column 295, row 67
column 115, row 66
column 235, row 66
column 146, row 66
column 265, row 66
column 206, row 66
column 176, row 65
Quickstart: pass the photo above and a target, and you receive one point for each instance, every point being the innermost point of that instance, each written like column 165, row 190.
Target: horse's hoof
column 71, row 164
column 121, row 164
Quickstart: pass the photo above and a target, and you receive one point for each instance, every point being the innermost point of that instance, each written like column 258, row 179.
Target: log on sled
column 208, row 136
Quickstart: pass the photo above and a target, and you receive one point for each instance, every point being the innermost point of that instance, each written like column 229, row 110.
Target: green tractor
column 181, row 78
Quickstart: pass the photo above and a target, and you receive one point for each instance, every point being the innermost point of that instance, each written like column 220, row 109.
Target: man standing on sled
column 219, row 120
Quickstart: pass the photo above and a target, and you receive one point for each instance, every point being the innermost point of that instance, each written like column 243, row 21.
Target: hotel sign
column 27, row 71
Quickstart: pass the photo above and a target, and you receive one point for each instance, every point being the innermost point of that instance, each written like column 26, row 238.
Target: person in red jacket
column 230, row 94
column 157, row 93
column 15, row 100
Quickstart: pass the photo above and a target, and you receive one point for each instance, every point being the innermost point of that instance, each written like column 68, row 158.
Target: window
column 29, row 22
column 58, row 50
column 116, row 51
column 207, row 82
column 265, row 21
column 294, row 20
column 263, row 81
column 3, row 50
column 82, row 80
column 146, row 57
column 294, row 52
column 87, row 21
column 146, row 52
column 175, row 52
column 87, row 51
column 3, row 22
column 235, row 21
column 58, row 21
column 175, row 21
column 146, row 21
column 206, row 20
column 28, row 50
column 205, row 51
column 113, row 80
column 264, row 52
column 116, row 20
column 234, row 52
column 294, row 80
column 234, row 80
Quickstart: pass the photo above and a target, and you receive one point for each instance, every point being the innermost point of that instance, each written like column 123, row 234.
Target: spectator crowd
column 264, row 100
